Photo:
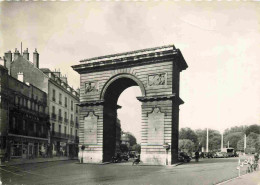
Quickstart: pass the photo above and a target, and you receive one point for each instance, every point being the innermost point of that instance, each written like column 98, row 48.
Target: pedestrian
column 197, row 155
column 256, row 156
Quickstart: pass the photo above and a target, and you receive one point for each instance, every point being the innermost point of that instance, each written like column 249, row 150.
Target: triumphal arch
column 102, row 79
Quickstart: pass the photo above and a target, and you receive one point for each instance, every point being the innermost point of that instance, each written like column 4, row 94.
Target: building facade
column 24, row 118
column 61, row 100
column 64, row 112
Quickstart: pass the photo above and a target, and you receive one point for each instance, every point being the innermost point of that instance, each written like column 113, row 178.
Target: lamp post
column 207, row 146
column 245, row 145
column 167, row 147
column 82, row 149
column 221, row 142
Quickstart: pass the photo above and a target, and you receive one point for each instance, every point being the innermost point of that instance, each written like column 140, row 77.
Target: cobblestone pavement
column 207, row 171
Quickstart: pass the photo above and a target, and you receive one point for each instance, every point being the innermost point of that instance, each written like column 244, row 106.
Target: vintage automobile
column 125, row 157
column 221, row 155
column 184, row 157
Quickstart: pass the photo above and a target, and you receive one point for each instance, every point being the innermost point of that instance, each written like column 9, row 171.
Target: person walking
column 197, row 155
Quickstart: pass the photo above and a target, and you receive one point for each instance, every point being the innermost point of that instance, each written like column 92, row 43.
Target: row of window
column 29, row 104
column 65, row 130
column 65, row 100
column 60, row 115
column 24, row 127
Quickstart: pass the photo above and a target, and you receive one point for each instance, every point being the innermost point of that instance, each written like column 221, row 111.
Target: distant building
column 61, row 100
column 24, row 120
column 118, row 135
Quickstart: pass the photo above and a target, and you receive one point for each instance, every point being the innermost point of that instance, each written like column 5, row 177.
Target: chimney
column 26, row 54
column 64, row 79
column 20, row 76
column 8, row 60
column 16, row 54
column 36, row 58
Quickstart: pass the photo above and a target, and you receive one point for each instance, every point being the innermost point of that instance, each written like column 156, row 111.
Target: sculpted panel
column 155, row 127
column 157, row 79
column 91, row 87
column 90, row 128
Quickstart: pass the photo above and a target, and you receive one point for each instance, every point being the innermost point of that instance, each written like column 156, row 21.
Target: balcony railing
column 53, row 116
column 27, row 133
column 66, row 120
column 60, row 135
column 71, row 123
column 60, row 119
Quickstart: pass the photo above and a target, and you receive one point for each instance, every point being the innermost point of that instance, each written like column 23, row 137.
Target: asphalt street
column 206, row 171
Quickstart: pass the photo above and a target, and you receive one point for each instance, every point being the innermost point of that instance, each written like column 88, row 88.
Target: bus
column 229, row 151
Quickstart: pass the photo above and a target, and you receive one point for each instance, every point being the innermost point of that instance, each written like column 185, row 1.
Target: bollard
column 238, row 167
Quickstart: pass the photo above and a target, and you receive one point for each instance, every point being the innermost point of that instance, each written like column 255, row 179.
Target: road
column 206, row 171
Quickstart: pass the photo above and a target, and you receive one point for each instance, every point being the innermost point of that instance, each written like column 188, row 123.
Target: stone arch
column 157, row 73
column 118, row 76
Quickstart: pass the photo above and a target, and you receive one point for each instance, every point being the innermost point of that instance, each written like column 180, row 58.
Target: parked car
column 209, row 154
column 184, row 157
column 125, row 157
column 221, row 155
column 236, row 154
column 202, row 154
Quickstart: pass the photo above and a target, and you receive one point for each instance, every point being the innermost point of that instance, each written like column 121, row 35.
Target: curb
column 230, row 179
column 95, row 163
column 36, row 162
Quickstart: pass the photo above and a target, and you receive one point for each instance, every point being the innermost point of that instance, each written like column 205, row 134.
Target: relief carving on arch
column 91, row 87
column 157, row 79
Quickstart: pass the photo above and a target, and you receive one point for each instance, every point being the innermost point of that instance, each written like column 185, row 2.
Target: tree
column 252, row 143
column 186, row 145
column 233, row 138
column 240, row 145
column 132, row 139
column 253, row 128
column 215, row 142
column 235, row 129
column 136, row 148
column 187, row 133
column 201, row 134
column 214, row 138
column 123, row 148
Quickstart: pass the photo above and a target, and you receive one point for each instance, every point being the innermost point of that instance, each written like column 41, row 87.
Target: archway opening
column 115, row 115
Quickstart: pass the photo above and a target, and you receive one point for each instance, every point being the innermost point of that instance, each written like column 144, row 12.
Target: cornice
column 140, row 57
column 129, row 54
column 90, row 103
column 63, row 89
column 177, row 100
column 156, row 98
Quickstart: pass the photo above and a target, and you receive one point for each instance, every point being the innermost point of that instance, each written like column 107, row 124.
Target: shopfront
column 26, row 147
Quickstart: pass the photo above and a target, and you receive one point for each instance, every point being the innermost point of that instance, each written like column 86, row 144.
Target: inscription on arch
column 155, row 127
column 90, row 128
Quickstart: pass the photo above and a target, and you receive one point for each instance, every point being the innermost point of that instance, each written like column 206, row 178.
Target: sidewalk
column 35, row 160
column 248, row 179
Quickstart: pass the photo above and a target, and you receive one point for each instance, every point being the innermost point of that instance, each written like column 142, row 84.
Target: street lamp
column 167, row 147
column 82, row 149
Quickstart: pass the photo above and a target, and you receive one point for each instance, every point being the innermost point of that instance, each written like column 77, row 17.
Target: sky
column 219, row 41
